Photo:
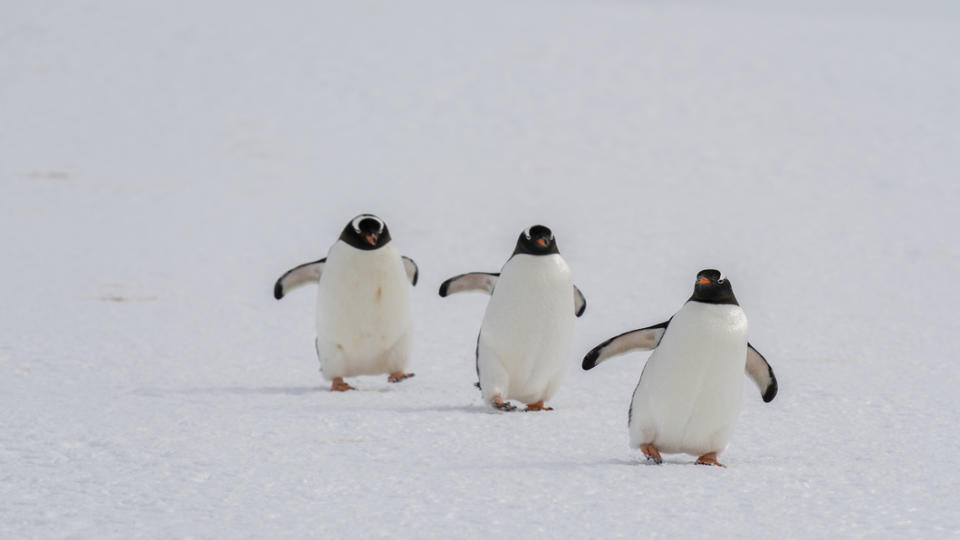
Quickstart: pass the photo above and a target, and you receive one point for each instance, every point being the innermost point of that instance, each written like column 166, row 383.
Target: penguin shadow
column 235, row 390
column 565, row 465
column 472, row 409
column 600, row 463
column 340, row 401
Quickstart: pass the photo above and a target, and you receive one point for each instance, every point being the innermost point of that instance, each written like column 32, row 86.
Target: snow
column 164, row 162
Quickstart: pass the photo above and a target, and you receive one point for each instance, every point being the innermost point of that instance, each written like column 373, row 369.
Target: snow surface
column 162, row 163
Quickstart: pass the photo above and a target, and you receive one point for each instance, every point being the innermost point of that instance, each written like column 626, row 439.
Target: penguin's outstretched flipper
column 579, row 302
column 474, row 281
column 762, row 374
column 413, row 272
column 643, row 339
column 300, row 275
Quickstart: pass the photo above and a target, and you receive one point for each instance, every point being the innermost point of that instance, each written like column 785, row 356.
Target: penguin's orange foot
column 709, row 459
column 651, row 452
column 338, row 385
column 498, row 403
column 399, row 376
column 538, row 406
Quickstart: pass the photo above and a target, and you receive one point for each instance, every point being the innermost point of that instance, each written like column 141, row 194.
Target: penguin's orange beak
column 371, row 239
column 542, row 241
column 703, row 281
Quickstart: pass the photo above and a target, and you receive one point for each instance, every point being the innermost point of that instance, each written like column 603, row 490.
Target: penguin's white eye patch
column 529, row 236
column 363, row 217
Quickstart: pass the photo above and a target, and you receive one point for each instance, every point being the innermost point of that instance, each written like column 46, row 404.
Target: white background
column 162, row 163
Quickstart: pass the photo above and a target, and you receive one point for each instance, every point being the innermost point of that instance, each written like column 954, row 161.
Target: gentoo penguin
column 363, row 306
column 689, row 393
column 524, row 343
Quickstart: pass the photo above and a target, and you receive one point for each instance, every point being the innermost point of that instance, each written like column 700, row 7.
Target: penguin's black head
column 536, row 240
column 712, row 288
column 366, row 232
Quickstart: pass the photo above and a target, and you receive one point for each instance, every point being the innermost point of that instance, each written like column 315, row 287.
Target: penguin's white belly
column 690, row 392
column 527, row 329
column 363, row 312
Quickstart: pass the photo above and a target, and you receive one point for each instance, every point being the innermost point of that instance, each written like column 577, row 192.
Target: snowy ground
column 162, row 164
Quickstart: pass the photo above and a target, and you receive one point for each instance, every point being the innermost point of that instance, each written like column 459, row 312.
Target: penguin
column 525, row 338
column 690, row 390
column 364, row 321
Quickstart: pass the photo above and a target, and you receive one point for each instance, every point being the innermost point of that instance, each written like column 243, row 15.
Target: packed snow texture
column 164, row 162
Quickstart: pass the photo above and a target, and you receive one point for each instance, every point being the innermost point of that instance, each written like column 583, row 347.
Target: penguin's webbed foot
column 538, row 406
column 499, row 404
column 709, row 459
column 399, row 376
column 651, row 453
column 339, row 385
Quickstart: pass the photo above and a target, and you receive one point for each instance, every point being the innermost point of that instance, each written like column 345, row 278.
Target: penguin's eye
column 529, row 235
column 358, row 221
column 356, row 224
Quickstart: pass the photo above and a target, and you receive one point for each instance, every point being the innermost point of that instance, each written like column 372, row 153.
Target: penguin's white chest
column 528, row 326
column 690, row 392
column 363, row 304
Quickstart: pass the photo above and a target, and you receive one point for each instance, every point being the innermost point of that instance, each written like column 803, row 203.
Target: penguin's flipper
column 413, row 273
column 474, row 281
column 579, row 302
column 643, row 339
column 762, row 374
column 297, row 276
